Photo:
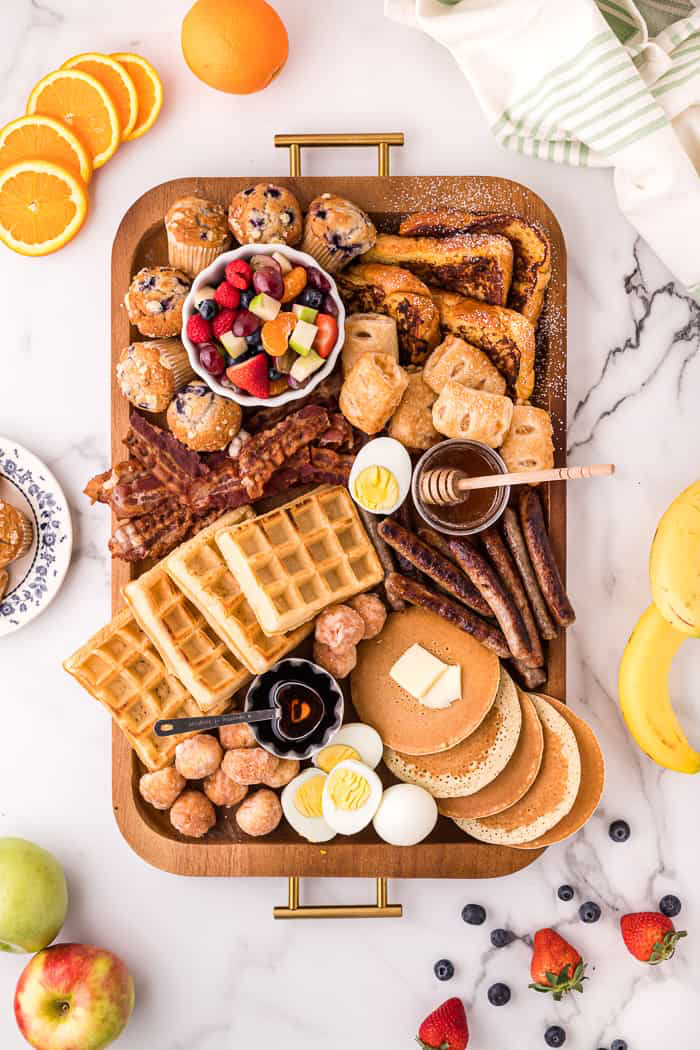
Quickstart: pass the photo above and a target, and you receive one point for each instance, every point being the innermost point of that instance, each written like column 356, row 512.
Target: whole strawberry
column 556, row 966
column 445, row 1028
column 650, row 936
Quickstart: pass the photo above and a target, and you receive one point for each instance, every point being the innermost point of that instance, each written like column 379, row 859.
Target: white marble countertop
column 212, row 969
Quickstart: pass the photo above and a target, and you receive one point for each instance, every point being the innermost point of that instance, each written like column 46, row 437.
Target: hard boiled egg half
column 351, row 796
column 354, row 740
column 302, row 806
column 380, row 478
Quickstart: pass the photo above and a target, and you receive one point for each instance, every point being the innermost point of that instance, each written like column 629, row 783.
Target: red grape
column 317, row 279
column 269, row 281
column 329, row 306
column 246, row 323
column 211, row 359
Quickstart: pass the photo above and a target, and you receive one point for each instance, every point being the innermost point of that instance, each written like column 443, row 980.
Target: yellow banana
column 644, row 695
column 674, row 565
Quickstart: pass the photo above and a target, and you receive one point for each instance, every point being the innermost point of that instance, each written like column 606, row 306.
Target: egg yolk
column 307, row 798
column 331, row 756
column 348, row 790
column 376, row 488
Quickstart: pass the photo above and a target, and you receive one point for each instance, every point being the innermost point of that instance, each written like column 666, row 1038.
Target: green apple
column 304, row 313
column 264, row 306
column 302, row 337
column 33, row 896
column 73, row 997
column 305, row 366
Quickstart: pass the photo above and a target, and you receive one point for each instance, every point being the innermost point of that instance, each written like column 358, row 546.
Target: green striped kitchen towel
column 591, row 82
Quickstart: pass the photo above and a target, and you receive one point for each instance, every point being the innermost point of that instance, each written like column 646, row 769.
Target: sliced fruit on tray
column 80, row 101
column 42, row 206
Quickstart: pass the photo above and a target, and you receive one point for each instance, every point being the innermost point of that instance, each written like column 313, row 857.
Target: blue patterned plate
column 35, row 579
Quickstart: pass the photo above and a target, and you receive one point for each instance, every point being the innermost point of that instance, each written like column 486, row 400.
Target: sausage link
column 404, row 517
column 503, row 563
column 542, row 557
column 383, row 551
column 416, row 594
column 433, row 564
column 516, row 542
column 532, row 677
column 488, row 583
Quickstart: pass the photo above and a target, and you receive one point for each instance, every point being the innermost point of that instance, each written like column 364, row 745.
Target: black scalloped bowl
column 258, row 699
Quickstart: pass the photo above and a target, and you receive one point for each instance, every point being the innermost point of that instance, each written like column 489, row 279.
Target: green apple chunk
column 33, row 896
column 234, row 345
column 305, row 366
column 305, row 313
column 265, row 307
column 282, row 261
column 302, row 337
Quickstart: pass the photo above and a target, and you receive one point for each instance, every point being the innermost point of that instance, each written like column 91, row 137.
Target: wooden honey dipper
column 445, row 486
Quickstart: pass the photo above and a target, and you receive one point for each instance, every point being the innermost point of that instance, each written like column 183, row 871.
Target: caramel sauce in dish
column 480, row 507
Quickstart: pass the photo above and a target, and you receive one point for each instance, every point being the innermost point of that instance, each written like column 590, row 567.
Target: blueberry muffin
column 197, row 233
column 265, row 214
column 16, row 533
column 336, row 232
column 150, row 373
column 203, row 420
column 154, row 300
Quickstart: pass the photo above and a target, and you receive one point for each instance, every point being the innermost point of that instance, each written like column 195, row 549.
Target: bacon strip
column 164, row 456
column 266, row 451
column 151, row 535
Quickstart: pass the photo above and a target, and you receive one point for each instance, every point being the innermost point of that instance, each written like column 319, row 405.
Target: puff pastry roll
column 372, row 391
column 412, row 422
column 364, row 332
column 455, row 359
column 528, row 444
column 474, row 414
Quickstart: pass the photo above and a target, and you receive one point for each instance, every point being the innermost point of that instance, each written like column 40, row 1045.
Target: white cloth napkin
column 591, row 82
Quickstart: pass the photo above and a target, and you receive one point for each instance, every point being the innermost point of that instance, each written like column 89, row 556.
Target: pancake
column 475, row 762
column 403, row 723
column 551, row 796
column 517, row 777
column 592, row 780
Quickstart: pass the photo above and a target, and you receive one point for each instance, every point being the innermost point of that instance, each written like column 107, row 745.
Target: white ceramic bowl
column 214, row 274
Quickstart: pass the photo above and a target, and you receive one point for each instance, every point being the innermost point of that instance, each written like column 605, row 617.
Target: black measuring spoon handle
column 172, row 726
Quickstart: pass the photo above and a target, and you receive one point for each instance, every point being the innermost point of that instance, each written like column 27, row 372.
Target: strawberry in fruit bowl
column 556, row 967
column 266, row 299
column 445, row 1028
column 650, row 936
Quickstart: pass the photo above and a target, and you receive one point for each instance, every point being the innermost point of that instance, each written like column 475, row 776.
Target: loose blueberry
column 443, row 970
column 474, row 914
column 555, row 1036
column 670, row 905
column 619, row 831
column 565, row 893
column 273, row 373
column 246, row 296
column 207, row 309
column 618, row 1044
column 254, row 339
column 501, row 938
column 312, row 297
column 589, row 912
column 499, row 994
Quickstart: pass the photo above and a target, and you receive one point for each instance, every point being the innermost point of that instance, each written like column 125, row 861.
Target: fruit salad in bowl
column 263, row 324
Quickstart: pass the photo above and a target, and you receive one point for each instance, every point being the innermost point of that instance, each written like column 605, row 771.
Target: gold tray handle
column 380, row 910
column 381, row 140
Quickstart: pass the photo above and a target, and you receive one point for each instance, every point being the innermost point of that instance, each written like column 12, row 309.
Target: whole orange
column 234, row 45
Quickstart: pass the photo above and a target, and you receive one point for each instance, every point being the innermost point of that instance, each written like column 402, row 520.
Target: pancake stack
column 508, row 767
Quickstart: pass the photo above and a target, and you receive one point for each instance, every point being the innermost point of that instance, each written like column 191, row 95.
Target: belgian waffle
column 198, row 568
column 189, row 647
column 120, row 667
column 296, row 560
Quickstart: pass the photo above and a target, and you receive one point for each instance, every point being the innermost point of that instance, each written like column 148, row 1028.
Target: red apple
column 73, row 996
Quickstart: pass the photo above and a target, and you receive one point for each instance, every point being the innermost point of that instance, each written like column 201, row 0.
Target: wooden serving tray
column 448, row 853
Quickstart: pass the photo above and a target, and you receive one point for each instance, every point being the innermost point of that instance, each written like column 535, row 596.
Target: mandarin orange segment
column 275, row 334
column 38, row 136
column 80, row 101
column 149, row 90
column 115, row 79
column 42, row 206
column 294, row 283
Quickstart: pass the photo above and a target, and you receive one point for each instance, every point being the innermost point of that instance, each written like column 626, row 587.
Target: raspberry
column 223, row 322
column 239, row 273
column 198, row 330
column 227, row 296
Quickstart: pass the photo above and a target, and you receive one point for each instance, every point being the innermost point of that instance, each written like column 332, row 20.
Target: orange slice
column 148, row 89
column 43, row 137
column 79, row 100
column 42, row 206
column 115, row 79
column 275, row 334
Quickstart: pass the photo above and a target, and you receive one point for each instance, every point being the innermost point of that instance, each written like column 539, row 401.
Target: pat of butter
column 446, row 690
column 417, row 671
column 376, row 488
